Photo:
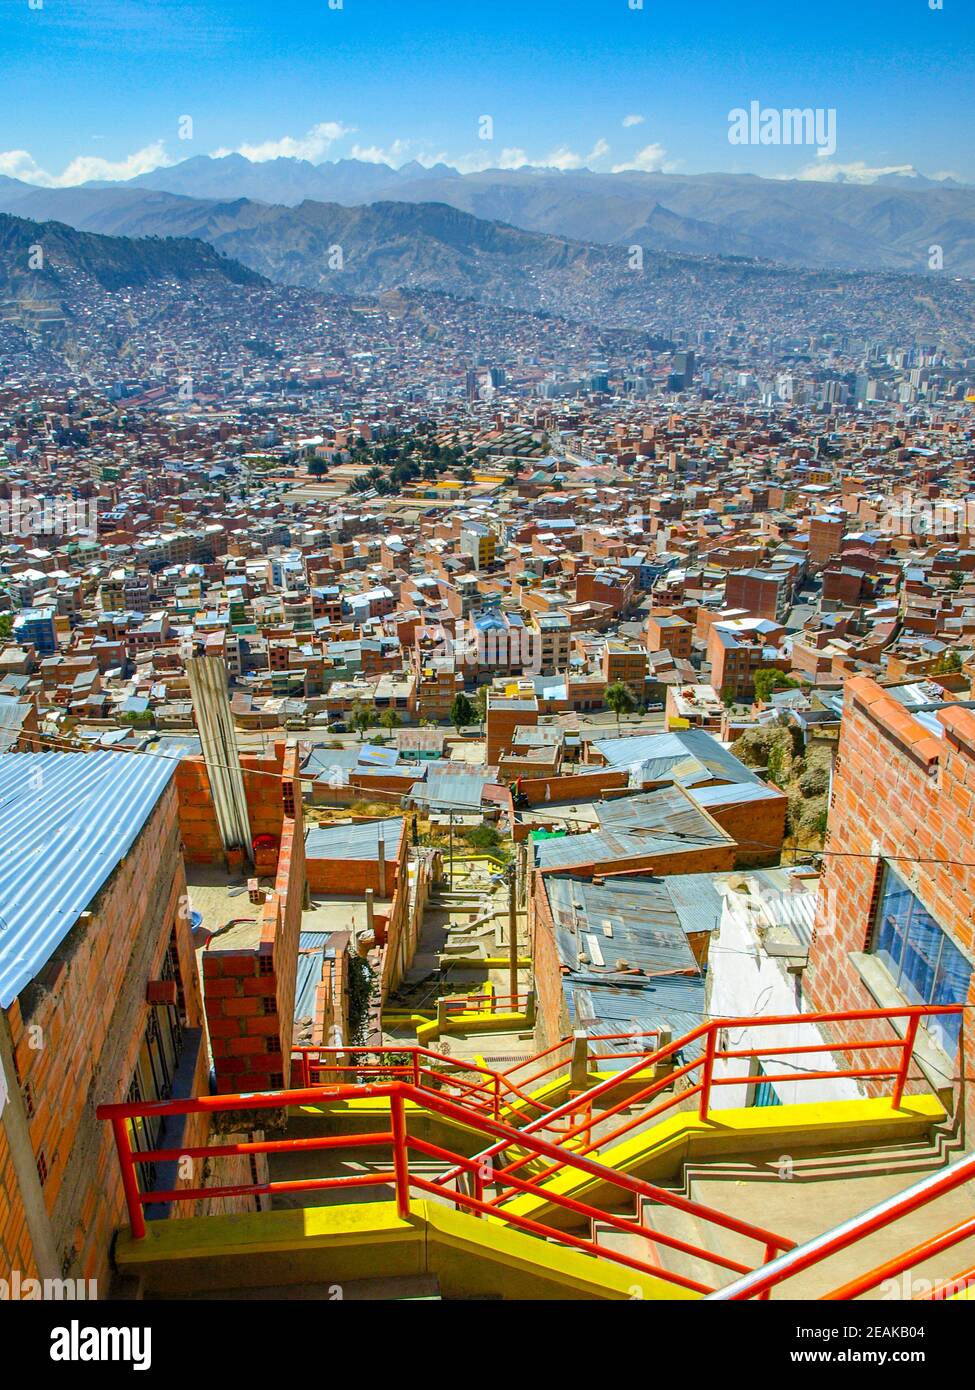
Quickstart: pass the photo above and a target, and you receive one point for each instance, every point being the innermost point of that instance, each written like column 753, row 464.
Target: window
column 764, row 1093
column 924, row 963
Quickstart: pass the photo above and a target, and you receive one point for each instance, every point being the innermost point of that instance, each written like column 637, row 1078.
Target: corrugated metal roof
column 311, row 956
column 66, row 822
column 734, row 794
column 451, row 791
column 618, row 926
column 668, row 812
column 675, row 1002
column 659, row 749
column 359, row 841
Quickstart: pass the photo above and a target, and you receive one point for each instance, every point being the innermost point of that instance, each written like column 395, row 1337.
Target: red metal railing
column 707, row 1036
column 479, row 1104
column 492, row 1091
column 482, row 1088
column 401, row 1144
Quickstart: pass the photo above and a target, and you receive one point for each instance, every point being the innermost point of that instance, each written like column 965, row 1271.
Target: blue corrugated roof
column 66, row 821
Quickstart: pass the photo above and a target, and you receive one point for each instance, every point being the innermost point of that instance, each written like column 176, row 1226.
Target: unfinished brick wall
column 754, row 824
column 78, row 1028
column 576, row 787
column 250, row 994
column 551, row 1010
column 898, row 790
column 198, row 825
column 16, row 1251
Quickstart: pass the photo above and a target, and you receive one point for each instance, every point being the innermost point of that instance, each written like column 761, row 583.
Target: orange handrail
column 710, row 1032
column 400, row 1177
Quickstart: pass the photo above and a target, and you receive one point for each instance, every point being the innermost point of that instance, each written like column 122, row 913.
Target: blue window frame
column 764, row 1094
column 924, row 963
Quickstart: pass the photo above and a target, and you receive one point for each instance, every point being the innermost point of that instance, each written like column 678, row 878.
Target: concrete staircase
column 799, row 1197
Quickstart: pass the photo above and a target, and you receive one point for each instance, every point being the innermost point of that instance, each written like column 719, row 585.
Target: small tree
column 6, row 626
column 768, row 679
column 619, row 699
column 317, row 467
column 461, row 711
column 390, row 720
column 360, row 718
column 480, row 705
column 956, row 579
column 948, row 664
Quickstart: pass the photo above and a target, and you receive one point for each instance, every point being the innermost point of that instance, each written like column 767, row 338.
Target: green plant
column 768, row 679
column 462, row 711
column 361, row 979
column 619, row 699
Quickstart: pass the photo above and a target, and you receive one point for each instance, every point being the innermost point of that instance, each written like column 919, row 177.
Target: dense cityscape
column 487, row 747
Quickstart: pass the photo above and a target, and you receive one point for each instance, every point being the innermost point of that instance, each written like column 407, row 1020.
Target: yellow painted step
column 316, row 1245
column 661, row 1151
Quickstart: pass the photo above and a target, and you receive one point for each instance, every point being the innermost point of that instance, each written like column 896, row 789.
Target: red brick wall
column 16, row 1251
column 250, row 994
column 573, row 788
column 552, row 1014
column 900, row 790
column 198, row 827
column 753, row 824
column 77, row 1031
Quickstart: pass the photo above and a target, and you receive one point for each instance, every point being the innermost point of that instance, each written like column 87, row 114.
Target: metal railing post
column 907, row 1052
column 130, row 1185
column 706, row 1072
column 401, row 1159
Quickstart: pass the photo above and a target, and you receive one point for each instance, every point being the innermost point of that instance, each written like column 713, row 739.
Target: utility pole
column 513, row 936
column 451, row 815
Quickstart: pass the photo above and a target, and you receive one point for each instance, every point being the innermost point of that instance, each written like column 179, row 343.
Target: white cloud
column 857, row 172
column 313, row 145
column 565, row 159
column 19, row 164
column 629, row 121
column 396, row 154
column 652, row 159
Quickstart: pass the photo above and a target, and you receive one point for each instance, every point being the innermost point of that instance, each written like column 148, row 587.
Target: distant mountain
column 436, row 248
column 287, row 181
column 39, row 260
column 888, row 224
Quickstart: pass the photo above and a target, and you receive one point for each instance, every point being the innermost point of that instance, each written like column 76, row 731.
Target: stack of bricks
column 241, row 1003
column 250, row 993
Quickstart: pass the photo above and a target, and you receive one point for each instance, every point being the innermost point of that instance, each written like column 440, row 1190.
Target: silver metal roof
column 66, row 821
column 359, row 841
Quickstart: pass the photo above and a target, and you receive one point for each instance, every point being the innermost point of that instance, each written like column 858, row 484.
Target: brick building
column 99, row 1000
column 891, row 929
column 250, row 969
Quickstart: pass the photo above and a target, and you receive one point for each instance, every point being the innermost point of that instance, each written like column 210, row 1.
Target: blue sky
column 95, row 88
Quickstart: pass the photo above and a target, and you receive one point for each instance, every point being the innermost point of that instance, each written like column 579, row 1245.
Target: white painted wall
column 744, row 981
